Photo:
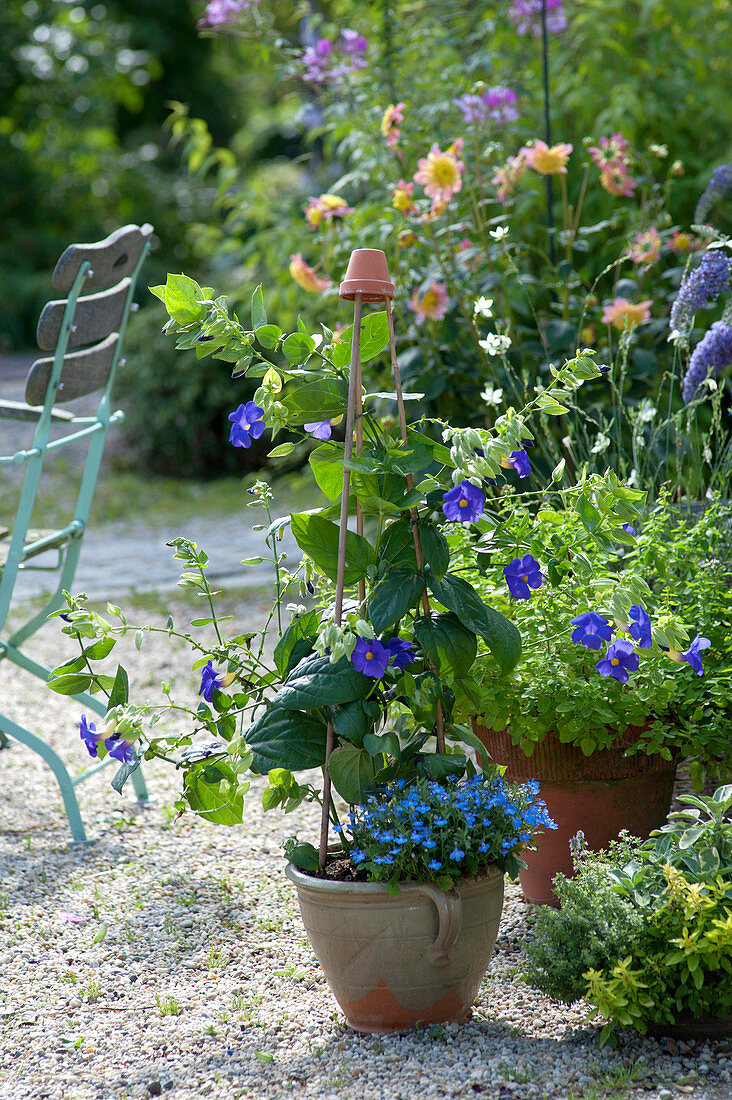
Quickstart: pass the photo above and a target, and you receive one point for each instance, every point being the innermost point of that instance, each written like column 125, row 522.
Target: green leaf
column 122, row 774
column 282, row 451
column 315, row 683
column 396, row 546
column 316, row 399
column 69, row 683
column 99, row 650
column 326, row 462
column 351, row 721
column 441, row 767
column 268, row 336
column 387, row 743
column 296, row 641
column 587, row 513
column 351, row 770
column 393, row 596
column 550, row 405
column 284, row 738
column 297, row 347
column 374, row 339
column 304, row 856
column 214, row 791
column 182, row 297
column 100, row 934
column 120, row 690
column 318, row 537
column 447, row 643
column 690, row 836
column 500, row 635
column 259, row 314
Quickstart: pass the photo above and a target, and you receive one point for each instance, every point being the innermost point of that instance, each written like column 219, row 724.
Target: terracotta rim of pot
column 553, row 759
column 368, row 275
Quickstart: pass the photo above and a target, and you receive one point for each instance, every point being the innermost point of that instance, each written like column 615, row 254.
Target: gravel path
column 168, row 958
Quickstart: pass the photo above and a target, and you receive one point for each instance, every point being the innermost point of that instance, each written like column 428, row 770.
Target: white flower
column 632, row 478
column 602, row 442
column 491, row 396
column 646, row 411
column 482, row 307
column 499, row 232
column 495, row 344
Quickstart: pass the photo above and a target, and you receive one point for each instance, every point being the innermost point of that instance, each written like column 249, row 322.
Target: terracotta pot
column 396, row 961
column 599, row 794
column 367, row 274
column 687, row 1026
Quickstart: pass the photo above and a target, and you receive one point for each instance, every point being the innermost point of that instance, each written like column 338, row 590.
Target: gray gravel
column 204, row 985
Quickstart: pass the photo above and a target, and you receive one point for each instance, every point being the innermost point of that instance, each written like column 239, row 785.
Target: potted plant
column 644, row 933
column 363, row 681
column 626, row 663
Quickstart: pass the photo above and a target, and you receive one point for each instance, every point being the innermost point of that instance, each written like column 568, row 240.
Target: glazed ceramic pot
column 397, row 961
column 599, row 795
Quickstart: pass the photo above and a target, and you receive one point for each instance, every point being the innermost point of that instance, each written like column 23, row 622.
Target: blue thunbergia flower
column 370, row 657
column 692, row 656
column 248, row 424
column 210, row 679
column 119, row 749
column 640, row 629
column 89, row 735
column 591, row 630
column 519, row 461
column 464, row 504
column 521, row 575
column 402, row 653
column 319, row 429
column 628, row 528
column 620, row 660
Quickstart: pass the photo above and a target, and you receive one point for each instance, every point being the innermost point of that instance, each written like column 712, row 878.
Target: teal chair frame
column 124, row 251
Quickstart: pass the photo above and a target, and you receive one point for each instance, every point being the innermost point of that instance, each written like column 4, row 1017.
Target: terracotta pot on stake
column 418, row 957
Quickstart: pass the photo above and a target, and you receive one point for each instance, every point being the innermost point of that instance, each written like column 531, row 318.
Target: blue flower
column 701, row 287
column 620, row 660
column 429, row 844
column 591, row 630
column 709, row 358
column 383, row 859
column 357, row 855
column 434, row 865
column 370, row 657
column 119, row 749
column 89, row 735
column 464, row 504
column 248, row 424
column 456, row 854
column 210, row 679
column 522, row 574
column 519, row 461
column 402, row 653
column 641, row 628
column 483, row 847
column 319, row 429
column 716, row 189
column 693, row 654
column 628, row 528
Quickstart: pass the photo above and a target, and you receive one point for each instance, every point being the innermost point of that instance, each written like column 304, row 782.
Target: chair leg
column 4, row 743
column 58, row 768
column 138, row 782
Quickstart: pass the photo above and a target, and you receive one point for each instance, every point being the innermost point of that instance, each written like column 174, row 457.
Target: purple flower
column 402, row 653
column 709, row 358
column 627, row 527
column 464, row 504
column 353, row 42
column 641, row 628
column 370, row 657
column 327, row 62
column 89, row 735
column 496, row 103
column 210, row 679
column 526, row 14
column 247, row 424
column 521, row 575
column 520, row 462
column 716, row 189
column 591, row 630
column 693, row 654
column 701, row 287
column 619, row 661
column 319, row 429
column 219, row 12
column 119, row 749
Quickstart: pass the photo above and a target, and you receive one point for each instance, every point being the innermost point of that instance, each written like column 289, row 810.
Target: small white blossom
column 495, row 344
column 482, row 307
column 491, row 396
column 602, row 442
column 646, row 411
column 632, row 481
column 499, row 232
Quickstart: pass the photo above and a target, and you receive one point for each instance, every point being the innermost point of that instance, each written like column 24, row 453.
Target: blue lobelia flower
column 319, row 429
column 591, row 630
column 402, row 653
column 89, row 735
column 640, row 629
column 521, row 575
column 619, row 661
column 370, row 657
column 248, row 424
column 519, row 461
column 434, row 865
column 693, row 654
column 456, row 854
column 464, row 504
column 119, row 749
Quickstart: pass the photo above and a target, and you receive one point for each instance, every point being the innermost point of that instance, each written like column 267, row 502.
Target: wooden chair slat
column 83, row 372
column 96, row 316
column 18, row 410
column 112, row 259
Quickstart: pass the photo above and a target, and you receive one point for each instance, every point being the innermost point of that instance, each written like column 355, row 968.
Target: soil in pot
column 398, row 961
column 598, row 795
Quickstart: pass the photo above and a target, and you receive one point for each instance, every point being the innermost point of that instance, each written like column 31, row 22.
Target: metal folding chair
column 85, row 333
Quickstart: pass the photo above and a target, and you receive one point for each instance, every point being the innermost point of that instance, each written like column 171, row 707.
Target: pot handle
column 450, row 920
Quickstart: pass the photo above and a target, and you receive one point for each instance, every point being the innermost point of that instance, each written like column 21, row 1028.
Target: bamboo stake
column 354, row 397
column 439, row 723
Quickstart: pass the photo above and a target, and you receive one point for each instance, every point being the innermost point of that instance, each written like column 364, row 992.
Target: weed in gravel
column 269, row 924
column 70, row 978
column 93, row 991
column 129, row 932
column 609, row 1084
column 217, row 958
column 168, row 1006
column 509, row 1073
